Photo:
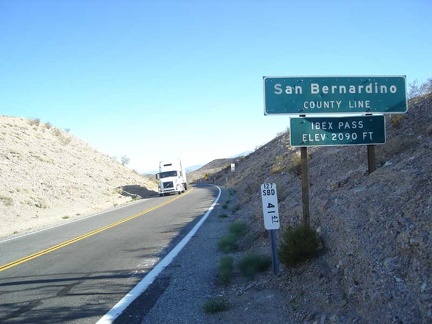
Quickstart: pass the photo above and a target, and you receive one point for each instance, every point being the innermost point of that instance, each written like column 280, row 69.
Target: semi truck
column 172, row 177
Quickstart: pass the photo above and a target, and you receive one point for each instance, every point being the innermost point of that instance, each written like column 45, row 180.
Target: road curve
column 77, row 272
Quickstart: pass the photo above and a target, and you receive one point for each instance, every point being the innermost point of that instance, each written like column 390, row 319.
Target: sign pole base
column 371, row 158
column 274, row 252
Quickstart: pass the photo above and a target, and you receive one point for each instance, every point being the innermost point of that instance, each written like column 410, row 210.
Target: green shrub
column 235, row 208
column 238, row 228
column 396, row 120
column 226, row 267
column 298, row 244
column 57, row 132
column 249, row 189
column 223, row 216
column 7, row 201
column 34, row 121
column 279, row 164
column 295, row 165
column 227, row 243
column 251, row 264
column 214, row 305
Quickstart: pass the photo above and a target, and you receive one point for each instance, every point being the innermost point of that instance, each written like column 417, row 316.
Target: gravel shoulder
column 180, row 292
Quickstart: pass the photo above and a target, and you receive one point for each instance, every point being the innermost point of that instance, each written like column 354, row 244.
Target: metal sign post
column 305, row 185
column 371, row 158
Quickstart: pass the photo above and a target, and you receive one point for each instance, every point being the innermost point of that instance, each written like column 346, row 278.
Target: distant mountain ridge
column 193, row 168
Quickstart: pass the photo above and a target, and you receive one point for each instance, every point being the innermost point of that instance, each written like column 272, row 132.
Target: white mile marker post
column 271, row 218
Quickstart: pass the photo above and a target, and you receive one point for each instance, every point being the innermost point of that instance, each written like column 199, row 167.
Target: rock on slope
column 49, row 176
column 377, row 229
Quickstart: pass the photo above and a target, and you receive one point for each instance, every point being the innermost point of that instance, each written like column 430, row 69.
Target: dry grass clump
column 215, row 305
column 251, row 264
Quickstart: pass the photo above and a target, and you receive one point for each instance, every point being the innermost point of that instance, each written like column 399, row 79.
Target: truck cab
column 172, row 178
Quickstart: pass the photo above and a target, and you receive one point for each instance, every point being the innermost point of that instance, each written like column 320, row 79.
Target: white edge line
column 109, row 317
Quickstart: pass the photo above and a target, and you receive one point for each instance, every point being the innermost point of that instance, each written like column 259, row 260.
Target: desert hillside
column 376, row 265
column 207, row 171
column 49, row 177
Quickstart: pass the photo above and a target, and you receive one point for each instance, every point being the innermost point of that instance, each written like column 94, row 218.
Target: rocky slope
column 377, row 231
column 376, row 264
column 49, row 177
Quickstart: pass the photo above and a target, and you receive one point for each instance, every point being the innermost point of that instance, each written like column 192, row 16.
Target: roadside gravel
column 180, row 292
column 190, row 278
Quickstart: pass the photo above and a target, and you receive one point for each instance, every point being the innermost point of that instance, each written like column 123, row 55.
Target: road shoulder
column 178, row 294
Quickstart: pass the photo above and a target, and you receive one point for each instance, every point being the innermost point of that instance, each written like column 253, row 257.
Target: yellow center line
column 81, row 237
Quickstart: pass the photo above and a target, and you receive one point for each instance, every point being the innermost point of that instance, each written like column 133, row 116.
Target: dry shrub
column 298, row 244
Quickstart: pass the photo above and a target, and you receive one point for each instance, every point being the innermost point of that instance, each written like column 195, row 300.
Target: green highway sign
column 342, row 95
column 333, row 131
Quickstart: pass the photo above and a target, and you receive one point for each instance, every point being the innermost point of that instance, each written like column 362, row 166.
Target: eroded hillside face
column 377, row 265
column 49, row 177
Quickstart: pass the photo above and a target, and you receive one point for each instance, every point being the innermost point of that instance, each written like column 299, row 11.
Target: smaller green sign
column 333, row 131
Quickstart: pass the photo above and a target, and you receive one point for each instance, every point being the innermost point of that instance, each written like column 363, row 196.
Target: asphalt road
column 77, row 272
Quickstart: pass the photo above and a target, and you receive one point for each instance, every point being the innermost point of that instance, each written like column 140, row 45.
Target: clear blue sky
column 156, row 80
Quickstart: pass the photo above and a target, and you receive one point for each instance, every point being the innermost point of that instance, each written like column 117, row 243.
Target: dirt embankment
column 376, row 228
column 49, row 177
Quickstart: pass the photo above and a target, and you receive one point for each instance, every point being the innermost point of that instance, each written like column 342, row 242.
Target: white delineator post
column 271, row 218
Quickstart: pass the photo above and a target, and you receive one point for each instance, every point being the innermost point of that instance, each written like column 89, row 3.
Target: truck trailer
column 172, row 177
